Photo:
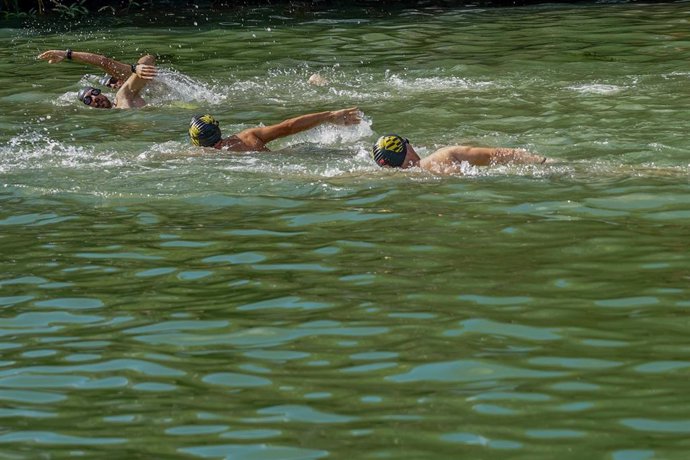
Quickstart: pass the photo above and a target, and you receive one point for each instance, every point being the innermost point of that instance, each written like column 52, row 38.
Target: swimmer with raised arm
column 395, row 151
column 204, row 130
column 128, row 79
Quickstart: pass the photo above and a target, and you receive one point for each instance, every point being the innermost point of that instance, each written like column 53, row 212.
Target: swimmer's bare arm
column 115, row 68
column 118, row 69
column 128, row 94
column 482, row 156
column 257, row 138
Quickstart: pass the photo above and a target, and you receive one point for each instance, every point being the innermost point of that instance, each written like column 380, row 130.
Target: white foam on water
column 676, row 73
column 173, row 86
column 65, row 99
column 35, row 150
column 170, row 150
column 279, row 86
column 425, row 84
column 597, row 88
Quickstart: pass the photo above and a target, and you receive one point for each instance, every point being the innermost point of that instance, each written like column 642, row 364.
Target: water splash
column 173, row 86
column 596, row 88
column 36, row 151
column 334, row 135
column 425, row 84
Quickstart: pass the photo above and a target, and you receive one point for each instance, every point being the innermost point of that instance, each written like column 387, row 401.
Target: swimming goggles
column 94, row 92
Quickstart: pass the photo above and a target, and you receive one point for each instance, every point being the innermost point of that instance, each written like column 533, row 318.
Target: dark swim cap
column 84, row 92
column 204, row 131
column 390, row 150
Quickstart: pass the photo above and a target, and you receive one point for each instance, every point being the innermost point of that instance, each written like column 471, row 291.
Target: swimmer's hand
column 147, row 72
column 351, row 116
column 53, row 56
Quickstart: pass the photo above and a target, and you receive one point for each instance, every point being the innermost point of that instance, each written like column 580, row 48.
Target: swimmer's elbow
column 147, row 59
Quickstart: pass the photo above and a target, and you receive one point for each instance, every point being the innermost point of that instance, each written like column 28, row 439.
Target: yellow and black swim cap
column 204, row 131
column 390, row 150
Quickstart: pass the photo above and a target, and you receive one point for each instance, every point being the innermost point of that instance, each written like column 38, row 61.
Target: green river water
column 162, row 301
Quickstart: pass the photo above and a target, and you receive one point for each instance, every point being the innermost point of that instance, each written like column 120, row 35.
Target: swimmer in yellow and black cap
column 391, row 150
column 204, row 130
column 128, row 79
column 395, row 151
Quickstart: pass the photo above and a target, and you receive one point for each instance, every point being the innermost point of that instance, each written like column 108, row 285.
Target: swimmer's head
column 110, row 81
column 390, row 150
column 317, row 80
column 204, row 131
column 93, row 98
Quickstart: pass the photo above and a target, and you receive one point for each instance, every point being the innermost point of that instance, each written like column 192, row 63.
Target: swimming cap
column 84, row 92
column 204, row 131
column 108, row 80
column 389, row 150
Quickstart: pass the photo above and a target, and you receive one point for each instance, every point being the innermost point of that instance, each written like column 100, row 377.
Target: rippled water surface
column 162, row 301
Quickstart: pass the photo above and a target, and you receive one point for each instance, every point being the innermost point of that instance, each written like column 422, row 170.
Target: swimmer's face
column 97, row 100
column 411, row 157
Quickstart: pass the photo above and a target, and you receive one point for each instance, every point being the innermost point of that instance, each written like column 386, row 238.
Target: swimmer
column 317, row 80
column 205, row 132
column 128, row 79
column 396, row 152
